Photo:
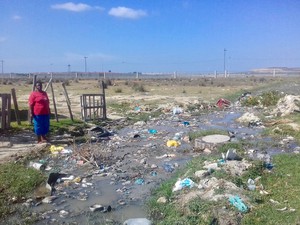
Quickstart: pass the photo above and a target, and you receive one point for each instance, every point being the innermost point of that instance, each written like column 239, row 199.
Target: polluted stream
column 127, row 165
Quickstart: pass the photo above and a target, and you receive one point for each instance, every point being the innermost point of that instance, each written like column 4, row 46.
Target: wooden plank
column 8, row 111
column 3, row 107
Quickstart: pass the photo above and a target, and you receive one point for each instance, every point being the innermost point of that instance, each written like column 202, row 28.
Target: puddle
column 126, row 160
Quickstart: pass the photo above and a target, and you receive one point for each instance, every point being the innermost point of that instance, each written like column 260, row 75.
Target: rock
column 162, row 200
column 211, row 166
column 137, row 221
column 216, row 138
column 207, row 151
column 49, row 199
column 248, row 117
column 231, row 154
column 140, row 123
column 201, row 173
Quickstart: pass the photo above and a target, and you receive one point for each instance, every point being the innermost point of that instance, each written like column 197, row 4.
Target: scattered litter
column 177, row 111
column 186, row 123
column 153, row 173
column 49, row 199
column 256, row 123
column 221, row 161
column 52, row 180
column 223, row 103
column 168, row 168
column 231, row 155
column 282, row 209
column 263, row 192
column 122, row 202
column 245, row 96
column 177, row 136
column 63, row 213
column 268, row 166
column 238, row 203
column 165, row 156
column 152, row 131
column 38, row 166
column 137, row 109
column 274, row 202
column 287, row 105
column 180, row 184
column 247, row 118
column 251, row 185
column 56, row 149
column 97, row 208
column 172, row 143
column 139, row 181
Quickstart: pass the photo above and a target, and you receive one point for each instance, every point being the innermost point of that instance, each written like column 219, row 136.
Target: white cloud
column 127, row 13
column 16, row 17
column 70, row 6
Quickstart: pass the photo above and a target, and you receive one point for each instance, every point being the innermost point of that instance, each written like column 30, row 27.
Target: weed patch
column 16, row 181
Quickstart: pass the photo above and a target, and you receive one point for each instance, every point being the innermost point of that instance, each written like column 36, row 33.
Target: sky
column 153, row 36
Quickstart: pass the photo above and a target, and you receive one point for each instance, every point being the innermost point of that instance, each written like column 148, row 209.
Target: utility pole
column 225, row 72
column 85, row 67
column 2, row 61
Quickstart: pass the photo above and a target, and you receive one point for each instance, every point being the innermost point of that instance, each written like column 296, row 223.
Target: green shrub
column 118, row 90
column 138, row 87
column 270, row 98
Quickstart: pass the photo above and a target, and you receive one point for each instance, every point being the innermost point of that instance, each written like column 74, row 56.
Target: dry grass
column 154, row 91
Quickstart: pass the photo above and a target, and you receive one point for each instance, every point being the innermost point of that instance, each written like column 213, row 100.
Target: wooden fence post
column 104, row 102
column 68, row 101
column 14, row 97
column 53, row 99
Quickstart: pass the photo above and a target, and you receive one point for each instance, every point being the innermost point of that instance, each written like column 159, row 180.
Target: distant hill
column 286, row 70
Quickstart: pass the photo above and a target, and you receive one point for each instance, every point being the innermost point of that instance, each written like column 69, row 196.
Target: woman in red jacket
column 40, row 112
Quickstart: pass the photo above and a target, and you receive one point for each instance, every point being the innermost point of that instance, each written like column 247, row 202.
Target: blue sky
column 186, row 36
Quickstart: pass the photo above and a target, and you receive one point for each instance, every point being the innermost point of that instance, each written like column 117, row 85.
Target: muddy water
column 137, row 155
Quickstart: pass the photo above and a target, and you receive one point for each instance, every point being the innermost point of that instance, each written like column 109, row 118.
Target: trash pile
column 287, row 105
column 124, row 166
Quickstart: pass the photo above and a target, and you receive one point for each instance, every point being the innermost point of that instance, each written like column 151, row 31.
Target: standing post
column 225, row 75
column 53, row 99
column 13, row 93
column 104, row 102
column 2, row 61
column 50, row 81
column 68, row 101
column 85, row 66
